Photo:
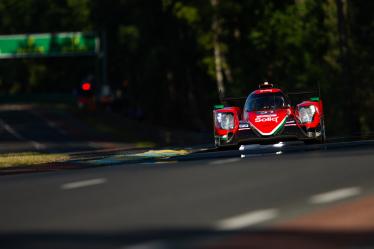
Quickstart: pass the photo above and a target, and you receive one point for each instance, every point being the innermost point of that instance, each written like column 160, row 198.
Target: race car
column 269, row 116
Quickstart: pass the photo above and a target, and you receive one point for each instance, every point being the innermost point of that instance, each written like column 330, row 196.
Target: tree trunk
column 227, row 69
column 348, row 84
column 216, row 30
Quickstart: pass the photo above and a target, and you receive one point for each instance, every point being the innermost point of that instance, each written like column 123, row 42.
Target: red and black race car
column 268, row 116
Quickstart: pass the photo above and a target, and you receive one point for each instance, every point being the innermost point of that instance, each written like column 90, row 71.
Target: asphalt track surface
column 206, row 200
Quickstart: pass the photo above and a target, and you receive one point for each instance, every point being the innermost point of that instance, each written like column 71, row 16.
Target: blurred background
column 167, row 62
column 131, row 84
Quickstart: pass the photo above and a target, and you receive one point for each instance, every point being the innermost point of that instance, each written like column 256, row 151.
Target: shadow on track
column 192, row 238
column 276, row 149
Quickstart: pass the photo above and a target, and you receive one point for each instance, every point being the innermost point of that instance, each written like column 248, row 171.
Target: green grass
column 30, row 159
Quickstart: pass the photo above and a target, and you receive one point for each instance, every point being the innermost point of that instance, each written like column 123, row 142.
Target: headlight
column 306, row 114
column 225, row 120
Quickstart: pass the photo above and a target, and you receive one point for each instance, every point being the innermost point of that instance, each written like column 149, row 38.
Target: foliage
column 164, row 51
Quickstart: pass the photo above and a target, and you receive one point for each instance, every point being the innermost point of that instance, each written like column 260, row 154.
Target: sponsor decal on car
column 266, row 118
column 268, row 124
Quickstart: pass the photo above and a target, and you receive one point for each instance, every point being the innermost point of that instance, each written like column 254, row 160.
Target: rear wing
column 293, row 97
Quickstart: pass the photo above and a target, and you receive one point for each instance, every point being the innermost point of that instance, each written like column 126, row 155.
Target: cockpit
column 266, row 101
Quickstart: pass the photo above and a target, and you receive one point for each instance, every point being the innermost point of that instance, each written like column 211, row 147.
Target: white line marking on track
column 224, row 161
column 147, row 245
column 82, row 184
column 50, row 123
column 335, row 195
column 17, row 135
column 247, row 219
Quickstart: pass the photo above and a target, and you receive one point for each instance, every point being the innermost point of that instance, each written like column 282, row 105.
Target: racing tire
column 220, row 147
column 321, row 139
column 217, row 143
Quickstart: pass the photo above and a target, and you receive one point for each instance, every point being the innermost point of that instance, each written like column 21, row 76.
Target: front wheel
column 219, row 146
column 217, row 142
column 320, row 135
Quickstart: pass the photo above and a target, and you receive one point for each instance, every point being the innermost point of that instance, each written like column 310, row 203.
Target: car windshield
column 260, row 102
